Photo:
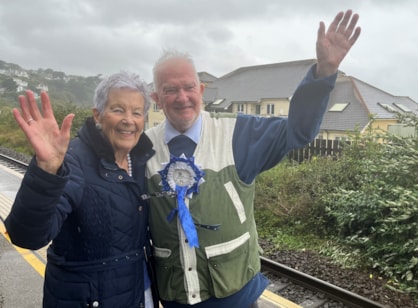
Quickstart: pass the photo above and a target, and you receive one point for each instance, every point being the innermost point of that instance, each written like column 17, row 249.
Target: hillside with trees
column 62, row 88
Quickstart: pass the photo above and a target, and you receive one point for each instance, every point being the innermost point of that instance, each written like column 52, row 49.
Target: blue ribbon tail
column 185, row 217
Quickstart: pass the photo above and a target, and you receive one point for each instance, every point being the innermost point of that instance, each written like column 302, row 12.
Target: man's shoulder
column 219, row 115
column 156, row 128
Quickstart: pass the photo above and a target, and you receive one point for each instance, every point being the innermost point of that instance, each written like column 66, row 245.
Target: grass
column 284, row 236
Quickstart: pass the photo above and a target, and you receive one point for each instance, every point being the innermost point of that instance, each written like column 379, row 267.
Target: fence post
column 318, row 147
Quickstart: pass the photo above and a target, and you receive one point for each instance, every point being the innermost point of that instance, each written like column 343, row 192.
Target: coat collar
column 102, row 147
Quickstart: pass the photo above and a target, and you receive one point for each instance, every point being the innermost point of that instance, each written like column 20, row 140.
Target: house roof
column 364, row 100
column 355, row 115
column 375, row 99
column 253, row 83
column 205, row 77
column 280, row 80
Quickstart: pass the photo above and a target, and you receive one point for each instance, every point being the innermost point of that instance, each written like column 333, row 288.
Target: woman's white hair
column 117, row 81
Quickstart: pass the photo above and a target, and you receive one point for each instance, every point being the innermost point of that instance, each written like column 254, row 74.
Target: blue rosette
column 182, row 177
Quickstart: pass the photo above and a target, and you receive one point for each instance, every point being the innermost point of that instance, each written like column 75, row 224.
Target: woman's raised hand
column 49, row 142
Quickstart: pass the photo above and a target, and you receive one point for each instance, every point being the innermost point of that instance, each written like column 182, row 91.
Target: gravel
column 368, row 284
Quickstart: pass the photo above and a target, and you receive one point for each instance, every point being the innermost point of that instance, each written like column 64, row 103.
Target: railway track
column 311, row 292
column 303, row 289
column 13, row 163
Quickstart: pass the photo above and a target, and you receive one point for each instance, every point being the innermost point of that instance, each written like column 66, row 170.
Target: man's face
column 178, row 93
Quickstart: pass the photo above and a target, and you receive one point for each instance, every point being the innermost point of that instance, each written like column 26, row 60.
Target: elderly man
column 202, row 224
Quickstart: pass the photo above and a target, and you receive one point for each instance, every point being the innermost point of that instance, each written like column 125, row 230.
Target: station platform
column 22, row 270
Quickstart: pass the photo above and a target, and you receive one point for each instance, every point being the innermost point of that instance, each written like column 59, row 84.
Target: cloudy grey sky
column 94, row 37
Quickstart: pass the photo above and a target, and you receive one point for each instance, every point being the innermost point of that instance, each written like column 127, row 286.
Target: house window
column 387, row 107
column 155, row 107
column 218, row 101
column 402, row 107
column 240, row 108
column 257, row 109
column 270, row 108
column 338, row 107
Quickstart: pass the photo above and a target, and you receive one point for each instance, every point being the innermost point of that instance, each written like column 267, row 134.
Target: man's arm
column 260, row 143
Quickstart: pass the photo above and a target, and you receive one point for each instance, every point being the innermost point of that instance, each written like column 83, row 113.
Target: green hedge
column 367, row 199
column 12, row 137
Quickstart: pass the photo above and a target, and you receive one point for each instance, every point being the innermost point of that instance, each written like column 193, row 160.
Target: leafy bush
column 294, row 192
column 367, row 198
column 11, row 136
column 381, row 215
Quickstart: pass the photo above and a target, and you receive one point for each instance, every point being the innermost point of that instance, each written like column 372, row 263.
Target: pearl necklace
column 128, row 157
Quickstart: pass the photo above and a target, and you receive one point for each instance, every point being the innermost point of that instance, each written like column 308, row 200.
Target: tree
column 9, row 85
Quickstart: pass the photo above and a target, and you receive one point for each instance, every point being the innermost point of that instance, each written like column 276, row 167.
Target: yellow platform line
column 278, row 300
column 5, row 205
column 28, row 255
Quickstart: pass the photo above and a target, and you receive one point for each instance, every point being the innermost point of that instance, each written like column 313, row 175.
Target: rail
column 13, row 161
column 315, row 284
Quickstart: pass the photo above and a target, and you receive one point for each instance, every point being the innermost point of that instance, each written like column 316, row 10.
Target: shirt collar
column 193, row 132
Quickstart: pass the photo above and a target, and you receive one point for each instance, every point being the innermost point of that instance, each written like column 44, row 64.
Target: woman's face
column 123, row 119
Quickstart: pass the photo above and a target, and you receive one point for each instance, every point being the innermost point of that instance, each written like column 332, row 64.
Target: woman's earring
column 99, row 126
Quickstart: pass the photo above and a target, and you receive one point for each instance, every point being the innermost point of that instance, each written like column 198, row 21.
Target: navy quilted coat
column 94, row 216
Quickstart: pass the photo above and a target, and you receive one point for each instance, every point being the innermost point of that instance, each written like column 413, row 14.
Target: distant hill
column 62, row 88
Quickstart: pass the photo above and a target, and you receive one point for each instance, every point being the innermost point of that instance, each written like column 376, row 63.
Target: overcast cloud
column 94, row 37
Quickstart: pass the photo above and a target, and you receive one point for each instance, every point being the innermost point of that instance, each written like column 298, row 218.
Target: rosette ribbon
column 183, row 177
column 185, row 218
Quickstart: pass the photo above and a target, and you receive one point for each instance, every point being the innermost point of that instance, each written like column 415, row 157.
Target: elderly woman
column 84, row 195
